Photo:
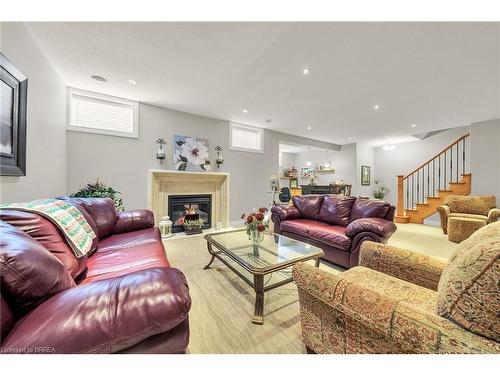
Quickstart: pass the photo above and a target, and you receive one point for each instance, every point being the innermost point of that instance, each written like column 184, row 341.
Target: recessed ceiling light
column 349, row 139
column 305, row 71
column 99, row 79
column 376, row 106
column 389, row 147
column 132, row 82
column 413, row 125
column 309, row 127
column 245, row 111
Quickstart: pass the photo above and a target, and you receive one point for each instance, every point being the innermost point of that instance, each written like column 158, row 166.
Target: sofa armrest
column 129, row 221
column 493, row 215
column 415, row 268
column 444, row 212
column 105, row 316
column 381, row 227
column 370, row 310
column 286, row 212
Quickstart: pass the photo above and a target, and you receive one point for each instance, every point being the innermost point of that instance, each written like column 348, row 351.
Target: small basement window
column 246, row 138
column 102, row 114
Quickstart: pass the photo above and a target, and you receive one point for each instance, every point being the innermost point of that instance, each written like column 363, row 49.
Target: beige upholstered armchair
column 469, row 207
column 398, row 301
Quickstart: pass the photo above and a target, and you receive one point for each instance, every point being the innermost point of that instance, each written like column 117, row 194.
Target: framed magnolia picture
column 365, row 175
column 191, row 154
column 13, row 99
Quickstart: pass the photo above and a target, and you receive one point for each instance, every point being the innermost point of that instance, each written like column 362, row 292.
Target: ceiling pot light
column 388, row 147
column 349, row 139
column 309, row 127
column 132, row 82
column 413, row 125
column 99, row 79
column 305, row 71
column 245, row 111
column 376, row 106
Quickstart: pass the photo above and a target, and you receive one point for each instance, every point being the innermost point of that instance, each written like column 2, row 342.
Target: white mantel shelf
column 163, row 183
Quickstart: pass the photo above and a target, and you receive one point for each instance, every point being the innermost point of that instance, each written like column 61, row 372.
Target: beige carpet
column 222, row 304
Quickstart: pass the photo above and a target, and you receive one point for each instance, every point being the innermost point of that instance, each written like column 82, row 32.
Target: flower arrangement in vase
column 256, row 223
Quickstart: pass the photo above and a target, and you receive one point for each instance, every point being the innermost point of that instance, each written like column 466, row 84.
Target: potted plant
column 380, row 190
column 193, row 226
column 99, row 190
column 256, row 223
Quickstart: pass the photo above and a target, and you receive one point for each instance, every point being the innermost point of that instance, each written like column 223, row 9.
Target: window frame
column 233, row 125
column 71, row 126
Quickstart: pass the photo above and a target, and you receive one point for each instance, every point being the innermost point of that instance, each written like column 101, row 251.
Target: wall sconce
column 160, row 155
column 219, row 161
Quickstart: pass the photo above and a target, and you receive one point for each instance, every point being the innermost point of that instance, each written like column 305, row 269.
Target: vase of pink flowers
column 256, row 223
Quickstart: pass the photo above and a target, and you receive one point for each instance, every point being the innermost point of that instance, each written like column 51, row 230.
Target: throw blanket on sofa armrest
column 66, row 217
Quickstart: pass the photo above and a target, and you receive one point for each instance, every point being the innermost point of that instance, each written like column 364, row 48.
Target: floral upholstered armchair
column 397, row 301
column 469, row 207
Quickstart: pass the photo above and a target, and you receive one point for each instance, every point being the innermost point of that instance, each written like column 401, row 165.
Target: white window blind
column 97, row 113
column 246, row 138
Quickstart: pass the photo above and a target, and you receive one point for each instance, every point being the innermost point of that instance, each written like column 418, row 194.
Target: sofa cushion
column 29, row 273
column 301, row 226
column 308, row 205
column 48, row 235
column 129, row 239
column 363, row 207
column 7, row 320
column 125, row 253
column 477, row 205
column 332, row 235
column 336, row 209
column 468, row 291
column 101, row 210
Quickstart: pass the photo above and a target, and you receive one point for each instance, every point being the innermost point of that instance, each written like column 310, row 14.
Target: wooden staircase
column 422, row 191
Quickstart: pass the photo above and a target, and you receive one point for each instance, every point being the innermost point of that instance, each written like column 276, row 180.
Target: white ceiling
column 436, row 75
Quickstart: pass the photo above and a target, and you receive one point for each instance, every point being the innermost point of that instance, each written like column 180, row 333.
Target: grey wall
column 124, row 162
column 46, row 127
column 485, row 158
column 408, row 156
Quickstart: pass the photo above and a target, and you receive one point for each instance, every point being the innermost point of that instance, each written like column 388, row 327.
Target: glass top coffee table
column 263, row 268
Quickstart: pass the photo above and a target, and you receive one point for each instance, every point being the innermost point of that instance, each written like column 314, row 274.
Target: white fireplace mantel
column 163, row 183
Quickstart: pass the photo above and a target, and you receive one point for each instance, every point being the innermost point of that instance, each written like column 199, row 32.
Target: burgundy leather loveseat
column 123, row 298
column 336, row 223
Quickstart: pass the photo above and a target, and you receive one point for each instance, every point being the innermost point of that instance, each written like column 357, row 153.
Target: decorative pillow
column 477, row 205
column 308, row 205
column 46, row 234
column 369, row 208
column 469, row 289
column 29, row 273
column 336, row 210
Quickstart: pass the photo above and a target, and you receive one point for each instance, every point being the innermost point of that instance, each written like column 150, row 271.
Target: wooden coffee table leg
column 209, row 246
column 317, row 262
column 258, row 317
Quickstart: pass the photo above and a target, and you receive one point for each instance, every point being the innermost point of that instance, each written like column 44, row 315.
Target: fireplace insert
column 191, row 205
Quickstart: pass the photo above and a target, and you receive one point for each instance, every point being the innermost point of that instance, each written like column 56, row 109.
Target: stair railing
column 433, row 175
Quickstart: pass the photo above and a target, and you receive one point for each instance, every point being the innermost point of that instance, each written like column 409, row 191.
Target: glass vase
column 256, row 237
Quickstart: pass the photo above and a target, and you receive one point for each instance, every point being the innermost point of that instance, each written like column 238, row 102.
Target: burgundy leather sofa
column 336, row 223
column 123, row 298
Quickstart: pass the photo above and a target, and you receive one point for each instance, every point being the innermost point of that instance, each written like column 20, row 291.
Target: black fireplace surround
column 179, row 205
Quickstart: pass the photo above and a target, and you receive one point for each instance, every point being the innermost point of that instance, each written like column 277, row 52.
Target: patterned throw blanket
column 66, row 217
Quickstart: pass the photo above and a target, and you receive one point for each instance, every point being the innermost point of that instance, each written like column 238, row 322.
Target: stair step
column 445, row 191
column 411, row 210
column 433, row 198
column 457, row 183
column 422, row 205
